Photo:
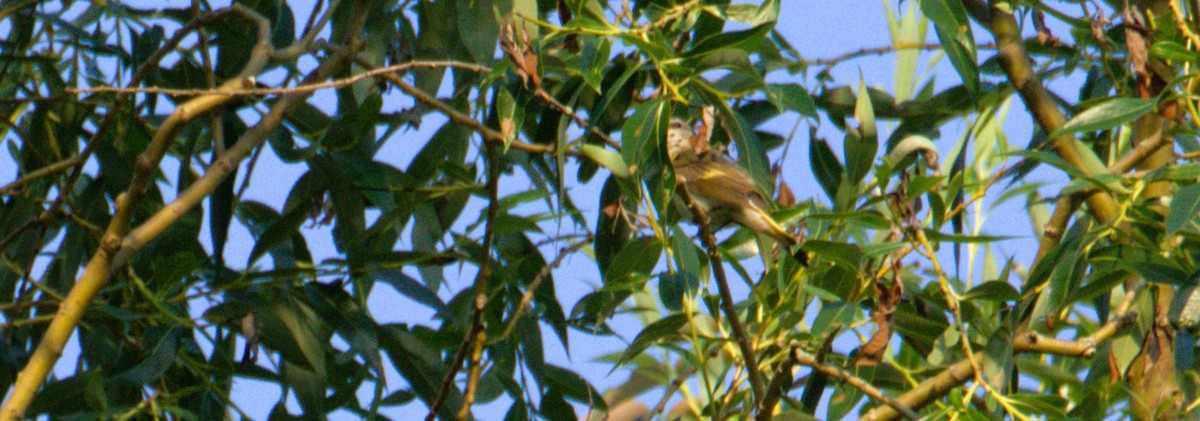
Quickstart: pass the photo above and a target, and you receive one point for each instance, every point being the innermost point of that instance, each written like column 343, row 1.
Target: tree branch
column 100, row 266
column 1015, row 62
column 488, row 133
column 735, row 323
column 98, row 269
column 937, row 386
column 475, row 334
column 856, row 382
column 776, row 388
column 537, row 282
column 303, row 88
column 481, row 281
column 878, row 51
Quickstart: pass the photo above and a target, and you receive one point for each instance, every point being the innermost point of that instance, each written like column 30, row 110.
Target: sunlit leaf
column 1106, row 115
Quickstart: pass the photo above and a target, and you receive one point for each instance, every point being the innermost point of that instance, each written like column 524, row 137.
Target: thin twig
column 662, row 403
column 1182, row 25
column 337, row 83
column 735, row 323
column 1052, row 232
column 481, row 280
column 475, row 335
column 292, row 52
column 39, row 173
column 488, row 133
column 854, row 381
column 877, row 51
column 775, row 390
column 545, row 96
column 542, row 275
column 1138, row 153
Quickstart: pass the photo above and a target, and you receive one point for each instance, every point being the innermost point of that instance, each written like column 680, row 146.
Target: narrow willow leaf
column 1106, row 115
column 667, row 327
column 1185, row 210
column 606, row 158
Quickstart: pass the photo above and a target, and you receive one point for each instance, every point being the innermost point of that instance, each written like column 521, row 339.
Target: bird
column 721, row 188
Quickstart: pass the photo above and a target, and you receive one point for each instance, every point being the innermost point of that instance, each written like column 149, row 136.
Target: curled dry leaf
column 783, row 195
column 1044, row 36
column 522, row 55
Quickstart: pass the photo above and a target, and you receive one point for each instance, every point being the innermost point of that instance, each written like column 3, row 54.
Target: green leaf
column 421, row 367
column 954, row 32
column 687, row 255
column 348, row 203
column 998, row 366
column 639, row 256
column 639, row 131
column 825, row 166
column 861, row 146
column 292, row 328
column 81, row 392
column 733, row 39
column 307, row 188
column 1050, row 405
column 674, row 287
column 348, row 319
column 523, row 11
column 153, row 367
column 848, row 255
column 1173, row 51
column 399, row 397
column 308, row 384
column 751, row 14
column 1185, row 210
column 846, row 398
column 555, row 408
column 664, row 329
column 612, row 231
column 506, row 110
column 792, row 97
column 1106, row 115
column 993, row 291
column 517, row 412
column 572, row 386
column 606, row 158
column 832, row 315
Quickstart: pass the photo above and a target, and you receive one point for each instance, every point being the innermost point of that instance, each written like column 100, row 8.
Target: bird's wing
column 720, row 181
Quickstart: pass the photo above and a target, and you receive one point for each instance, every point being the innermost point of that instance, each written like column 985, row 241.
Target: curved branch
column 956, row 374
column 100, row 267
column 488, row 133
column 856, row 382
column 1015, row 62
column 292, row 52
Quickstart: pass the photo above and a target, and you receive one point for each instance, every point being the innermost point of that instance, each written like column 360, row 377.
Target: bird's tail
column 758, row 220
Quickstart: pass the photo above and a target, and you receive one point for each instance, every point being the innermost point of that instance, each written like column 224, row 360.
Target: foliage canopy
column 135, row 133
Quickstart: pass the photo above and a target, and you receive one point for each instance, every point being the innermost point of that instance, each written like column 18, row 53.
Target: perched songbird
column 722, row 188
